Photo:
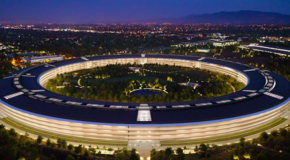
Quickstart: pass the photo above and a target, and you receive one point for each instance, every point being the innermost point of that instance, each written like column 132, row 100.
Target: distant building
column 2, row 47
column 43, row 59
column 222, row 43
column 125, row 51
column 189, row 44
column 266, row 48
column 271, row 39
column 219, row 35
column 204, row 50
column 135, row 69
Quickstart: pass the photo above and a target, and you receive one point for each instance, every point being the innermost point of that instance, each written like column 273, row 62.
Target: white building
column 1, row 46
column 189, row 44
column 219, row 35
column 43, row 59
column 204, row 50
column 270, row 49
column 135, row 69
column 222, row 43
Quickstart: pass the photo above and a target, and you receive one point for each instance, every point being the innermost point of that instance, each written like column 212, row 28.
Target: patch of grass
column 127, row 78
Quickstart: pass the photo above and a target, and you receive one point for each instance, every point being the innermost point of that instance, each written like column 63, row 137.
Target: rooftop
column 43, row 57
column 240, row 103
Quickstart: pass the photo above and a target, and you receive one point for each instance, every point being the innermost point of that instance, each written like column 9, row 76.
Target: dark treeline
column 273, row 146
column 21, row 147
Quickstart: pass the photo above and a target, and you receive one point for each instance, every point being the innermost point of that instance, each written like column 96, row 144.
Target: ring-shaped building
column 261, row 105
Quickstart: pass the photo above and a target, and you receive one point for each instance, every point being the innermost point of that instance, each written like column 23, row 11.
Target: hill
column 237, row 17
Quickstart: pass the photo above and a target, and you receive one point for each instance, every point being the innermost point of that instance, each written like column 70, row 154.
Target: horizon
column 129, row 11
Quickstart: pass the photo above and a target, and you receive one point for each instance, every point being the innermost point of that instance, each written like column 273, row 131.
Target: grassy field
column 127, row 78
column 196, row 75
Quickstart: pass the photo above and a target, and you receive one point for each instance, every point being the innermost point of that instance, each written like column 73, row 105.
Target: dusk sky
column 86, row 11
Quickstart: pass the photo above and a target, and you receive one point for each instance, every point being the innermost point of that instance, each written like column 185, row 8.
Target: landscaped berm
column 144, row 101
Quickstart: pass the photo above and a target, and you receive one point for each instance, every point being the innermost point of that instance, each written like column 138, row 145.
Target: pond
column 146, row 92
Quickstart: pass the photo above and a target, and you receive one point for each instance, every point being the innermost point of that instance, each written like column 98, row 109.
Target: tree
column 242, row 142
column 12, row 152
column 283, row 132
column 208, row 155
column 120, row 156
column 173, row 158
column 64, row 143
column 61, row 143
column 12, row 132
column 180, row 153
column 52, row 157
column 70, row 147
column 53, row 145
column 169, row 152
column 48, row 142
column 134, row 155
column 87, row 153
column 203, row 147
column 94, row 151
column 78, row 149
column 39, row 139
column 153, row 153
column 264, row 136
column 278, row 147
column 274, row 133
column 34, row 153
column 69, row 157
column 261, row 157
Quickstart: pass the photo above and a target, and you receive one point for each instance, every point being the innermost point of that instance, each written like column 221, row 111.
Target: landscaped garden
column 143, row 83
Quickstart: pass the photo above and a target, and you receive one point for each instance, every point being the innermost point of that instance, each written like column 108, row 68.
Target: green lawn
column 226, row 137
column 67, row 138
column 127, row 78
column 196, row 75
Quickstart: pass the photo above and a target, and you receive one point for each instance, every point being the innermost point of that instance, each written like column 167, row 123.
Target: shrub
column 264, row 136
column 283, row 132
column 48, row 142
column 53, row 145
column 70, row 147
column 278, row 147
column 69, row 157
column 39, row 139
column 274, row 133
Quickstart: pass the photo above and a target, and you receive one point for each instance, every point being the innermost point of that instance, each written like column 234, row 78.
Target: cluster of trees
column 80, row 44
column 273, row 146
column 285, row 44
column 280, row 66
column 5, row 68
column 167, row 154
column 269, row 61
column 21, row 147
column 122, row 80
